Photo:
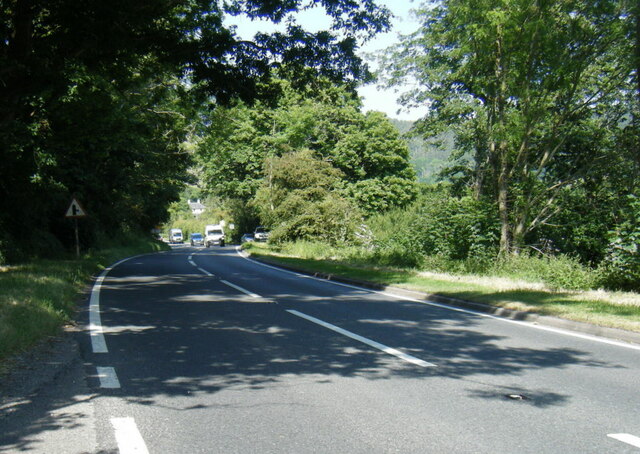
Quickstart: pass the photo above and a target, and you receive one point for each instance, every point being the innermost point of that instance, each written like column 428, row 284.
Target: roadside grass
column 609, row 309
column 39, row 297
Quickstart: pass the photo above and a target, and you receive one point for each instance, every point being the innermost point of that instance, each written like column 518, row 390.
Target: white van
column 175, row 236
column 213, row 234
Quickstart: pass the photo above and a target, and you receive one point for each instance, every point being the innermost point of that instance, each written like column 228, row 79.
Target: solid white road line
column 108, row 377
column 550, row 329
column 128, row 437
column 371, row 343
column 240, row 289
column 98, row 343
column 626, row 438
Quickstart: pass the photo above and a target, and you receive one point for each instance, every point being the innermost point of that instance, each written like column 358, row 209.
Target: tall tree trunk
column 517, row 241
column 636, row 120
column 502, row 149
column 503, row 202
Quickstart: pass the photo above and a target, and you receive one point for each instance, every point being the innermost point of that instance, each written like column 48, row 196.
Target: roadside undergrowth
column 38, row 298
column 520, row 292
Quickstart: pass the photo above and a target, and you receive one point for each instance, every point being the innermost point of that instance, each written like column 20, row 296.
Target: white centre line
column 240, row 289
column 364, row 340
column 108, row 377
column 204, row 271
column 626, row 438
column 128, row 437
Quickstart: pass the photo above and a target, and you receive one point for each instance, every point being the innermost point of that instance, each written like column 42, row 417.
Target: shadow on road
column 183, row 334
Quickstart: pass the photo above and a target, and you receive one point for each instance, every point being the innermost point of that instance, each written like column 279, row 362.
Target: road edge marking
column 108, row 377
column 128, row 436
column 388, row 350
column 96, row 332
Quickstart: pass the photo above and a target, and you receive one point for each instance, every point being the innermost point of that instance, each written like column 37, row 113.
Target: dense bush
column 438, row 224
column 621, row 267
column 330, row 220
column 300, row 200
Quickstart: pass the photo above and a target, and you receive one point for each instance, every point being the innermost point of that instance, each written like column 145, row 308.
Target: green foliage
column 557, row 272
column 621, row 267
column 531, row 90
column 438, row 224
column 110, row 118
column 182, row 218
column 311, row 249
column 299, row 199
column 374, row 160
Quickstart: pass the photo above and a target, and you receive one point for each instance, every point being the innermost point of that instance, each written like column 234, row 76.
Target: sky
column 374, row 98
column 384, row 100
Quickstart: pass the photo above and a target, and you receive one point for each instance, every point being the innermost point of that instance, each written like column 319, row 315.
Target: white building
column 197, row 208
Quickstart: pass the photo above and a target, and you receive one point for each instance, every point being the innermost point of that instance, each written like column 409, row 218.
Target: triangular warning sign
column 75, row 210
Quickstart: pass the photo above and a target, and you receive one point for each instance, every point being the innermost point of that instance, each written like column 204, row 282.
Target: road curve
column 207, row 351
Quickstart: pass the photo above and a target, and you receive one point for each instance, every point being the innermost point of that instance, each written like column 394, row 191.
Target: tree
column 367, row 149
column 95, row 99
column 520, row 82
column 300, row 199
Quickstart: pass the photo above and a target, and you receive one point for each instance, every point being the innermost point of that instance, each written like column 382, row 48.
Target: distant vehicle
column 175, row 236
column 214, row 234
column 261, row 234
column 197, row 239
column 246, row 238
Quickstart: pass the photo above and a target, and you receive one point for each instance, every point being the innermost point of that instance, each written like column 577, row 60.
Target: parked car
column 261, row 234
column 246, row 238
column 197, row 239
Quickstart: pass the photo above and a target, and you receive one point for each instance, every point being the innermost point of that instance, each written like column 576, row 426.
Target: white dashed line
column 626, row 438
column 364, row 340
column 202, row 270
column 128, row 437
column 240, row 289
column 108, row 378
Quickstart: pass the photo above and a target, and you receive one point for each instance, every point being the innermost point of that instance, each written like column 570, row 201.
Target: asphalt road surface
column 204, row 351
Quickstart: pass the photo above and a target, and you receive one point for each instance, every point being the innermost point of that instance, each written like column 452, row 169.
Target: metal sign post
column 75, row 211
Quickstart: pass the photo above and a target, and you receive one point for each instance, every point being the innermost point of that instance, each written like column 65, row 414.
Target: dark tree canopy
column 97, row 98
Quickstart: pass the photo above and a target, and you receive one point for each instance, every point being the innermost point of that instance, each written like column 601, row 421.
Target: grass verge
column 39, row 297
column 609, row 309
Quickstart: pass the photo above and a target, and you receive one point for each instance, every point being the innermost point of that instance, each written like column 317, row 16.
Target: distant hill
column 428, row 158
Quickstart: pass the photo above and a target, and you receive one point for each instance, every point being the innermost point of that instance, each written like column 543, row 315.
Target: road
column 202, row 350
